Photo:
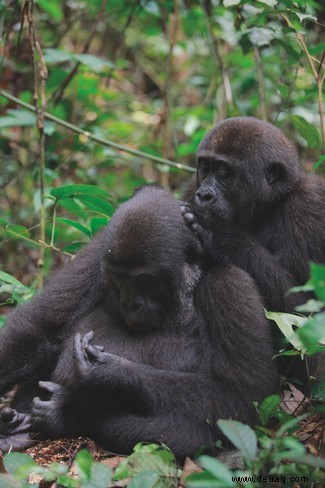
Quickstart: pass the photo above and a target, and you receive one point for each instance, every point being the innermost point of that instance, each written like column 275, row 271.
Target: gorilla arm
column 151, row 402
column 226, row 244
column 34, row 331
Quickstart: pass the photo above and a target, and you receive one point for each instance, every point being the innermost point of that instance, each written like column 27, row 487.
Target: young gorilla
column 255, row 208
column 170, row 348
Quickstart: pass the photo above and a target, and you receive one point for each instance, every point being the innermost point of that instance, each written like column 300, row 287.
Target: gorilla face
column 145, row 294
column 244, row 166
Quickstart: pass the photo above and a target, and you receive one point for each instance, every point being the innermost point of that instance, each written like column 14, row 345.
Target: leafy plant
column 20, row 467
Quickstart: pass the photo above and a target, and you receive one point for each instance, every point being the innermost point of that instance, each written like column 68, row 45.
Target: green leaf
column 149, row 457
column 24, row 118
column 93, row 62
column 146, row 479
column 83, row 464
column 285, row 322
column 319, row 162
column 97, row 204
column 17, row 231
column 73, row 207
column 76, row 225
column 270, row 3
column 303, row 17
column 241, row 435
column 7, row 278
column 70, row 191
column 18, row 118
column 310, row 461
column 260, row 36
column 306, row 130
column 52, row 8
column 202, row 480
column 287, row 426
column 16, row 460
column 73, row 248
column 7, row 481
column 295, row 55
column 268, row 407
column 55, row 56
column 312, row 334
column 230, row 3
column 317, row 280
column 98, row 223
column 219, row 470
column 100, row 476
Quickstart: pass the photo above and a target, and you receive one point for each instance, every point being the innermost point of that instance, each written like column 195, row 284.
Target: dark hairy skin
column 253, row 207
column 164, row 348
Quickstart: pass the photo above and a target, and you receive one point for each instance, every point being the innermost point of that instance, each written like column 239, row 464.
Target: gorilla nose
column 204, row 196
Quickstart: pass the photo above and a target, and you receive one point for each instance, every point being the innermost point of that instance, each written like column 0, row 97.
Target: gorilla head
column 148, row 251
column 245, row 166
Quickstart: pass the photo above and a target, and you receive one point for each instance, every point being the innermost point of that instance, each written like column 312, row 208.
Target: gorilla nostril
column 203, row 196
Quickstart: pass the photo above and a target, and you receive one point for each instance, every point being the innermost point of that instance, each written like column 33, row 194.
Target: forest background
column 100, row 96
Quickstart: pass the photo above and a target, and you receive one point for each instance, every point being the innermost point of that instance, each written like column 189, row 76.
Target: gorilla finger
column 88, row 337
column 79, row 352
column 49, row 386
column 185, row 208
column 95, row 352
column 189, row 218
column 7, row 414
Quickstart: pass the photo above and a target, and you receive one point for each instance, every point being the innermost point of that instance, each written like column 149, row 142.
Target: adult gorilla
column 183, row 345
column 254, row 207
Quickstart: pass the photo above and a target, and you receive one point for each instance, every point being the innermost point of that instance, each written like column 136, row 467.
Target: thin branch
column 97, row 139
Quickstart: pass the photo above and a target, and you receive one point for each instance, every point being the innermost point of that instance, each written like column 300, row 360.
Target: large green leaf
column 97, row 204
column 306, row 130
column 77, row 190
column 242, row 436
column 285, row 322
column 219, row 470
column 268, row 407
column 317, row 280
column 76, row 225
column 52, row 8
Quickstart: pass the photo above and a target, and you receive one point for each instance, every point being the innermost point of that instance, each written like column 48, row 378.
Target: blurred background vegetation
column 149, row 75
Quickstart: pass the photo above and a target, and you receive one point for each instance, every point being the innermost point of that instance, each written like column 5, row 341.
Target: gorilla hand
column 197, row 223
column 47, row 415
column 87, row 356
column 14, row 430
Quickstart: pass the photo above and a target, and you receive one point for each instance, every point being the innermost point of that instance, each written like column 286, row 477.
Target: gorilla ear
column 275, row 172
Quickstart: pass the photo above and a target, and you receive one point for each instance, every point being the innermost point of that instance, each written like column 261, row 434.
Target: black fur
column 254, row 207
column 174, row 346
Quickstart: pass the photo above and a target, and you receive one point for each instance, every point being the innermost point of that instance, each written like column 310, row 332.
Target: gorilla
column 136, row 340
column 253, row 207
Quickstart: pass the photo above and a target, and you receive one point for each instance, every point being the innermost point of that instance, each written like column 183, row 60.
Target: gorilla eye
column 204, row 166
column 224, row 171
